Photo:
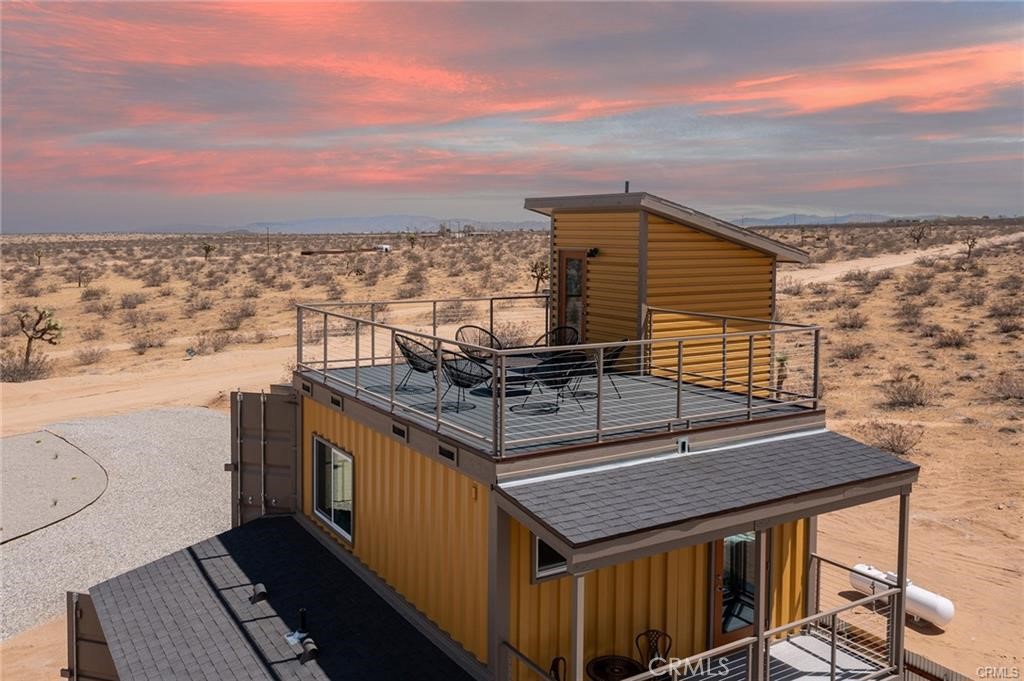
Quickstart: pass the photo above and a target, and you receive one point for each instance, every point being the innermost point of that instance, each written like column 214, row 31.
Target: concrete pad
column 44, row 480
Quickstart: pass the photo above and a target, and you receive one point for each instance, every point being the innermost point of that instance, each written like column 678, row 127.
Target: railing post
column 750, row 376
column 298, row 335
column 502, row 378
column 391, row 377
column 325, row 347
column 832, row 662
column 357, row 357
column 725, row 353
column 437, row 384
column 600, row 381
column 495, row 426
column 817, row 367
column 761, row 586
column 433, row 319
column 490, row 327
column 898, row 614
column 373, row 334
column 679, row 379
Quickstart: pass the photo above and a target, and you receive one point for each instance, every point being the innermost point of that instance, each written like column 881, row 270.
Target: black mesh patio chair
column 463, row 374
column 558, row 669
column 560, row 335
column 418, row 357
column 653, row 645
column 476, row 335
column 559, row 373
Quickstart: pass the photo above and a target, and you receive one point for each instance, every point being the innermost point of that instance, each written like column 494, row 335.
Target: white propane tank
column 921, row 603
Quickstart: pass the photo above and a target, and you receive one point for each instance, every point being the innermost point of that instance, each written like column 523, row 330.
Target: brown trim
column 641, row 294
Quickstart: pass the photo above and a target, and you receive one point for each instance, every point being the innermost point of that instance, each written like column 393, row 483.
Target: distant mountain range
column 371, row 223
column 805, row 219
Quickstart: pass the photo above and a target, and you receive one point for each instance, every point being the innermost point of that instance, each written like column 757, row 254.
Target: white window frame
column 549, row 572
column 334, row 450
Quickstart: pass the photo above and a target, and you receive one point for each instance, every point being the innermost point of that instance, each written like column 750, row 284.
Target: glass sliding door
column 735, row 575
column 572, row 290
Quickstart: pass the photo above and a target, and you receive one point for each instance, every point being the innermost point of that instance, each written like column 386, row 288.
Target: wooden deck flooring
column 534, row 419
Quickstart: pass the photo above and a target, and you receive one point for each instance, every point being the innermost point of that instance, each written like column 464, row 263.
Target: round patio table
column 613, row 668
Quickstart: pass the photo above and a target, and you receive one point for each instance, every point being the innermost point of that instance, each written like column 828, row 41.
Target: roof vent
column 309, row 651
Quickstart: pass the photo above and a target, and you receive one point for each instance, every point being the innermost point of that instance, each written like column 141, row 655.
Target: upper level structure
column 659, row 324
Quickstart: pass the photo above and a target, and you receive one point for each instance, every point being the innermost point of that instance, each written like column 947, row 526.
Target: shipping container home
column 632, row 494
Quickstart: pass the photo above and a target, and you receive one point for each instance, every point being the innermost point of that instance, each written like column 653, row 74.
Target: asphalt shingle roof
column 606, row 503
column 188, row 616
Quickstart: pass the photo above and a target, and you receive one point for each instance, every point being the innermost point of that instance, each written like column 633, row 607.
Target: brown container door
column 264, row 454
column 572, row 291
column 88, row 656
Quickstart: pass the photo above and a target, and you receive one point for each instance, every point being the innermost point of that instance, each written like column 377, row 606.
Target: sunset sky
column 135, row 114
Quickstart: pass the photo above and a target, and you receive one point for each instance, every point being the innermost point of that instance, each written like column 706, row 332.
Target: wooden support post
column 757, row 669
column 577, row 617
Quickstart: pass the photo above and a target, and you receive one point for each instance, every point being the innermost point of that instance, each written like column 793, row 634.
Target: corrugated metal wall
column 612, row 276
column 691, row 270
column 668, row 591
column 419, row 524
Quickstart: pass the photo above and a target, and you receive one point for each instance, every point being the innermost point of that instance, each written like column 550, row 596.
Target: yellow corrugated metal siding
column 691, row 270
column 789, row 561
column 668, row 591
column 420, row 525
column 612, row 276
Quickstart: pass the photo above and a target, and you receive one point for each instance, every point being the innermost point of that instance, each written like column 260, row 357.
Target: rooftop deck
column 500, row 391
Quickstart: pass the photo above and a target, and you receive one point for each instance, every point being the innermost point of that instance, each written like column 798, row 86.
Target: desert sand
column 967, row 510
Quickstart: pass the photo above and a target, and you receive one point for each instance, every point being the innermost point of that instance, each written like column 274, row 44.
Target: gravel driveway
column 167, row 490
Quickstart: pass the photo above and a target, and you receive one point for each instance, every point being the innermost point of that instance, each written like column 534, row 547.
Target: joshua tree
column 39, row 257
column 970, row 241
column 44, row 328
column 539, row 272
column 411, row 238
column 208, row 248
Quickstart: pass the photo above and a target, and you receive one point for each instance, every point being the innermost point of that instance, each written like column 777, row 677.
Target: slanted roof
column 673, row 211
column 188, row 616
column 604, row 502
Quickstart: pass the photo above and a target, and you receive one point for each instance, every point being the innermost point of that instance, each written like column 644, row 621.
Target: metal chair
column 463, row 373
column 559, row 373
column 652, row 645
column 558, row 669
column 476, row 335
column 418, row 357
column 560, row 335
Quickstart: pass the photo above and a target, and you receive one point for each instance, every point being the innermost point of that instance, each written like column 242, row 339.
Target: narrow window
column 546, row 561
column 334, row 482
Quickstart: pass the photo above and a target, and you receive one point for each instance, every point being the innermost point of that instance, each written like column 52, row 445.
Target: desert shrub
column 850, row 320
column 904, row 389
column 1008, row 325
column 820, row 288
column 453, row 311
column 93, row 333
column 930, row 330
column 513, row 334
column 1007, row 307
column 846, row 301
column 93, row 293
column 155, row 276
column 897, row 438
column 14, row 369
column 850, row 350
column 411, row 291
column 974, row 297
column 101, row 307
column 1007, row 386
column 209, row 342
column 9, row 326
column 909, row 314
column 855, row 276
column 790, row 286
column 140, row 343
column 336, row 290
column 1011, row 282
column 89, row 355
column 312, row 333
column 234, row 317
column 915, row 283
column 252, row 291
column 952, row 338
column 166, row 291
column 130, row 301
column 134, row 318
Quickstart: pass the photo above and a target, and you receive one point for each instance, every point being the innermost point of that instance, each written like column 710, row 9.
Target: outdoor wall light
column 592, row 253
